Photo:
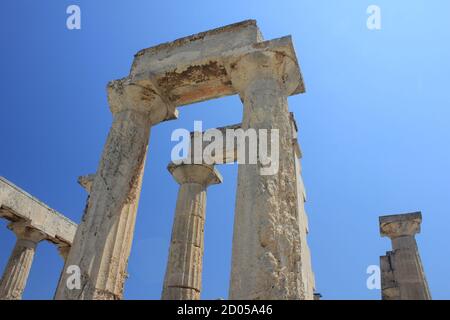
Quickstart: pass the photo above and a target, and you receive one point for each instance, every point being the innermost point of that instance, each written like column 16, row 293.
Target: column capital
column 24, row 231
column 128, row 95
column 400, row 225
column 195, row 173
column 263, row 65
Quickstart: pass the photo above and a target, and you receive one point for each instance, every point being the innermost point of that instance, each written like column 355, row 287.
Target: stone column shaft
column 19, row 264
column 402, row 274
column 266, row 261
column 308, row 280
column 103, row 240
column 183, row 279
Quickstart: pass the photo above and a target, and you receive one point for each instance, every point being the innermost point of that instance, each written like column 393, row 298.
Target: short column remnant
column 183, row 277
column 18, row 268
column 402, row 274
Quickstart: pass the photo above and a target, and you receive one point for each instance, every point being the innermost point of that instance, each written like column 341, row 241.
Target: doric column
column 184, row 267
column 103, row 239
column 18, row 268
column 402, row 275
column 266, row 259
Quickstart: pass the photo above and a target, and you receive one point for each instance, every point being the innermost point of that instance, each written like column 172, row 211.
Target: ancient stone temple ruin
column 32, row 222
column 402, row 275
column 270, row 254
column 270, row 259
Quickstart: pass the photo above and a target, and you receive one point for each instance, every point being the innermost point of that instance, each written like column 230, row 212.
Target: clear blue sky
column 374, row 128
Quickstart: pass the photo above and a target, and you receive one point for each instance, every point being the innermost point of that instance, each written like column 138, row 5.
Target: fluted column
column 101, row 245
column 402, row 274
column 18, row 268
column 266, row 259
column 183, row 277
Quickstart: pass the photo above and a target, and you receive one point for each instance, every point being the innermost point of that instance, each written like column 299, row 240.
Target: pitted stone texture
column 18, row 268
column 183, row 279
column 127, row 95
column 101, row 244
column 125, row 236
column 389, row 287
column 229, row 155
column 266, row 260
column 195, row 68
column 402, row 274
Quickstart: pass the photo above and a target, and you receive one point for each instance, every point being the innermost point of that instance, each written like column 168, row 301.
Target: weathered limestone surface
column 41, row 221
column 266, row 259
column 402, row 274
column 308, row 279
column 18, row 268
column 123, row 242
column 183, row 279
column 18, row 205
column 195, row 68
column 230, row 156
column 103, row 239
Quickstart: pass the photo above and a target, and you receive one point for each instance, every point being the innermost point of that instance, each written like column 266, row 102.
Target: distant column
column 183, row 278
column 402, row 275
column 18, row 268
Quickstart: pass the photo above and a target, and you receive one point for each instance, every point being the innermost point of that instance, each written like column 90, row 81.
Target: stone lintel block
column 399, row 225
column 18, row 205
column 195, row 68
